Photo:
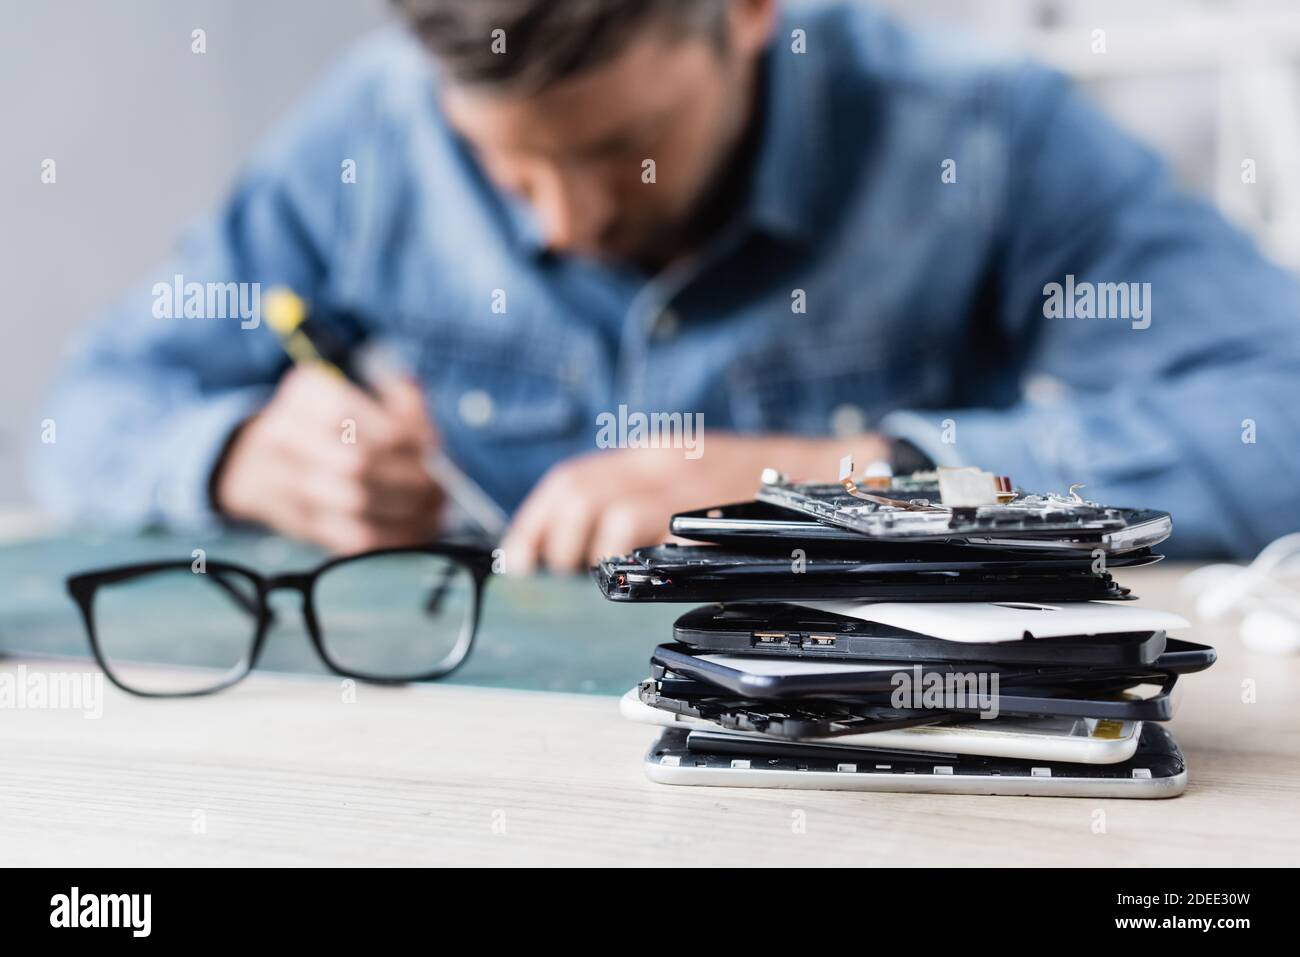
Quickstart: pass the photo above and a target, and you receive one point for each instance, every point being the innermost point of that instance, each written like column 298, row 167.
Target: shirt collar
column 787, row 166
column 525, row 228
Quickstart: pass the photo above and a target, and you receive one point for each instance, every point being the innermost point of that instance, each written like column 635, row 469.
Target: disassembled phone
column 971, row 598
column 679, row 681
column 1156, row 769
column 797, row 720
column 709, row 573
column 1076, row 740
column 967, row 506
column 749, row 523
column 794, row 630
column 758, row 524
column 770, row 677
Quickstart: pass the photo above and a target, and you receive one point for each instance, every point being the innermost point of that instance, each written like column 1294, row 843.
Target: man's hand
column 608, row 503
column 324, row 461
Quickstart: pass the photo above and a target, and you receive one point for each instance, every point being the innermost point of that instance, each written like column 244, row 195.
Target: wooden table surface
column 286, row 771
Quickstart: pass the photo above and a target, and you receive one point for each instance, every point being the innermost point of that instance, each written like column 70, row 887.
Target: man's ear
column 750, row 23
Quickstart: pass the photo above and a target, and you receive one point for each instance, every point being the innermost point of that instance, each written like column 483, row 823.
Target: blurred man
column 819, row 231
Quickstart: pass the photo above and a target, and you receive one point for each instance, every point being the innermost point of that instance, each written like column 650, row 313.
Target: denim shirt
column 890, row 268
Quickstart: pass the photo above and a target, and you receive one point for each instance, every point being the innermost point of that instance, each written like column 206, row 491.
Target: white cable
column 1266, row 592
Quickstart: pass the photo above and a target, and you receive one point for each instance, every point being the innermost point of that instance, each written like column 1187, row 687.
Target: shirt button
column 666, row 325
column 848, row 419
column 475, row 408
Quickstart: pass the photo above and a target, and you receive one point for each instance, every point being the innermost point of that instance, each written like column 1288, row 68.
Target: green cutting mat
column 543, row 633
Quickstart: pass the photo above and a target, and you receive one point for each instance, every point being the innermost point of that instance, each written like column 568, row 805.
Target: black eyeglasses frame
column 476, row 560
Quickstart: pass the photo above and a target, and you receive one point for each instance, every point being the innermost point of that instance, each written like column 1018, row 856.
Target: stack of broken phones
column 940, row 632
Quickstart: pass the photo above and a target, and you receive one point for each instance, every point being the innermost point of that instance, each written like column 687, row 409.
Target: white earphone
column 1266, row 593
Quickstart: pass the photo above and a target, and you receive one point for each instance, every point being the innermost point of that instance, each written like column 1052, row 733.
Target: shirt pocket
column 506, row 406
column 839, row 387
column 501, row 388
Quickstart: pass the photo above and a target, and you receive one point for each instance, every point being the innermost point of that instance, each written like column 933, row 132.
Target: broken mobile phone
column 978, row 509
column 1076, row 740
column 769, row 678
column 1123, row 698
column 790, row 630
column 813, row 719
column 680, row 756
column 708, row 573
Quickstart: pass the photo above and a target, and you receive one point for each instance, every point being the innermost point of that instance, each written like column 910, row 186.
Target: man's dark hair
column 546, row 41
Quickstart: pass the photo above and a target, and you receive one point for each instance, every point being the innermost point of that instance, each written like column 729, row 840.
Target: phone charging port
column 769, row 639
column 821, row 641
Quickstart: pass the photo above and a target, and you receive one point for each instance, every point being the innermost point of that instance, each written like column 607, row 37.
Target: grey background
column 147, row 135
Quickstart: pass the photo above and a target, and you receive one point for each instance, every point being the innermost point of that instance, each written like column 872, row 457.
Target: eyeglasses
column 184, row 628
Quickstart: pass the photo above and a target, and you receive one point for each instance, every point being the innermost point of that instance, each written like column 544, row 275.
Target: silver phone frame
column 736, row 777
